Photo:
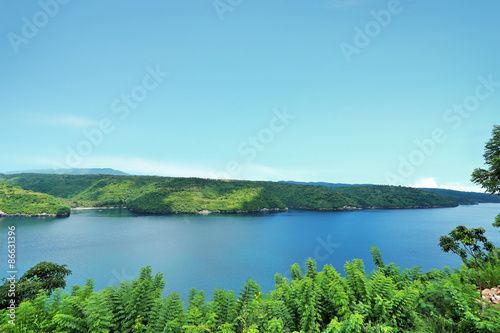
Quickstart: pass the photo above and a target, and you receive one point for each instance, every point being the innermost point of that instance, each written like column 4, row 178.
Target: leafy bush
column 313, row 301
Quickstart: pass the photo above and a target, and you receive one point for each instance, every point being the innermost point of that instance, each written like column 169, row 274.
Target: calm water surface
column 224, row 250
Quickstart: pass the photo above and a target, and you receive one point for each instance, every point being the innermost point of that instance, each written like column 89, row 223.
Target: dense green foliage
column 309, row 197
column 15, row 200
column 386, row 300
column 460, row 197
column 86, row 190
column 381, row 196
column 148, row 194
column 46, row 276
column 489, row 270
column 202, row 194
column 489, row 178
column 466, row 198
column 468, row 242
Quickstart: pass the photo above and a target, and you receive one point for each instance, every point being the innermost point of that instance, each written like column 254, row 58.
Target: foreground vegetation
column 147, row 194
column 386, row 300
column 15, row 200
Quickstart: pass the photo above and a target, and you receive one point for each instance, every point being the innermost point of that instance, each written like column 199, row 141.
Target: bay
column 209, row 251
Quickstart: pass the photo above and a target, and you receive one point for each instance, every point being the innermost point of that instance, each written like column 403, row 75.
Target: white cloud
column 426, row 182
column 457, row 186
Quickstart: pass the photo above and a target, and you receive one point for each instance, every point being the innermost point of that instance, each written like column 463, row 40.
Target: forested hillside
column 196, row 195
column 466, row 198
column 460, row 197
column 15, row 201
column 159, row 195
column 310, row 197
column 381, row 196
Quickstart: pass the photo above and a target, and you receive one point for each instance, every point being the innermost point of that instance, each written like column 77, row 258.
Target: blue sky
column 355, row 91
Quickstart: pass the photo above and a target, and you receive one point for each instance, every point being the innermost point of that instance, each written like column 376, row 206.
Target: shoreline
column 208, row 212
column 89, row 208
column 4, row 214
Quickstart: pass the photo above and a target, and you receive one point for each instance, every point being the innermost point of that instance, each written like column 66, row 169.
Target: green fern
column 357, row 281
column 170, row 314
column 309, row 305
column 223, row 304
column 334, row 298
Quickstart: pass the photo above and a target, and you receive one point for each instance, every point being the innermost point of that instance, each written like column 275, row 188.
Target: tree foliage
column 46, row 276
column 386, row 300
column 160, row 195
column 468, row 242
column 489, row 178
column 15, row 200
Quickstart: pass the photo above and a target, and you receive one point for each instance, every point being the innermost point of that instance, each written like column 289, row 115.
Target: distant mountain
column 75, row 171
column 320, row 183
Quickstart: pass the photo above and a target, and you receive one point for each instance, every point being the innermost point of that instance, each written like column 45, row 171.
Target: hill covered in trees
column 460, row 197
column 159, row 195
column 17, row 201
column 381, row 196
column 466, row 198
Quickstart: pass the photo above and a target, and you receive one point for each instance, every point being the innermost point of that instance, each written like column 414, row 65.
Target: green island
column 164, row 195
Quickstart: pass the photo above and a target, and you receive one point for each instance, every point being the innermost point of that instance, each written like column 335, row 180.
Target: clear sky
column 355, row 91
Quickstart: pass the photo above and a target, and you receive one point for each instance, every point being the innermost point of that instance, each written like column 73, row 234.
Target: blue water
column 224, row 250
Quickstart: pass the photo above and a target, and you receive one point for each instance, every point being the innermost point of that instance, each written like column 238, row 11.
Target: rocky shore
column 263, row 210
column 492, row 295
column 3, row 214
